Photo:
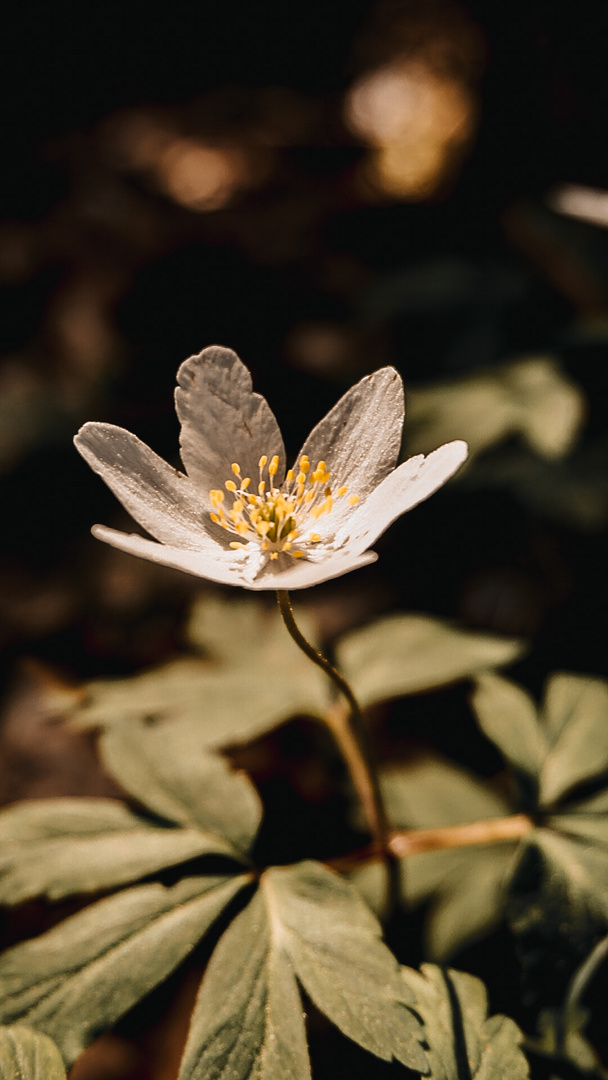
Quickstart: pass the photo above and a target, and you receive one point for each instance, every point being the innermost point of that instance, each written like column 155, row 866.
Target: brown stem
column 349, row 732
column 404, row 842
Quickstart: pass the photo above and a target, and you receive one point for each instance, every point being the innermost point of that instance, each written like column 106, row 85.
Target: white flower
column 238, row 517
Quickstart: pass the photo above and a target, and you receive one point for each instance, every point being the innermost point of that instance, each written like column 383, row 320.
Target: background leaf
column 466, row 886
column 78, row 978
column 28, row 1055
column 57, row 847
column 404, row 654
column 233, row 695
column 454, row 1009
column 509, row 717
column 529, row 397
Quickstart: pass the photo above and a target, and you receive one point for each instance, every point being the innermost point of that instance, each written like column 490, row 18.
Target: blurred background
column 325, row 189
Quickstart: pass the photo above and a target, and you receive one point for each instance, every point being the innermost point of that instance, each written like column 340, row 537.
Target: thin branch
column 405, row 842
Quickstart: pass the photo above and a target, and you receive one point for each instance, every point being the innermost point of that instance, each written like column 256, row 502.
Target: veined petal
column 231, row 569
column 213, row 563
column 222, row 420
column 304, row 573
column 360, row 438
column 407, row 486
column 159, row 497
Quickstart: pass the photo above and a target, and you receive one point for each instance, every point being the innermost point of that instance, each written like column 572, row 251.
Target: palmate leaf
column 236, row 693
column 464, row 1044
column 196, row 789
column 561, row 745
column 405, row 654
column 28, row 1055
column 57, row 847
column 82, row 976
column 308, row 924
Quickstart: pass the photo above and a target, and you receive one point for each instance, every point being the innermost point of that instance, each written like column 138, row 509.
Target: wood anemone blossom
column 237, row 515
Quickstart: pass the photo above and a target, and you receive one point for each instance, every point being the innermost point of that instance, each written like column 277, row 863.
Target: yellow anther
column 238, row 506
column 297, row 554
column 245, row 483
column 316, row 476
column 304, row 464
column 273, row 468
column 262, row 461
column 342, row 490
column 321, row 467
column 353, row 499
column 241, row 528
column 235, row 468
column 219, row 495
column 230, row 485
column 290, row 476
column 301, row 478
column 215, row 519
column 286, row 546
column 309, row 496
column 314, row 538
column 274, row 554
column 265, row 545
column 234, row 544
column 261, row 486
column 325, row 478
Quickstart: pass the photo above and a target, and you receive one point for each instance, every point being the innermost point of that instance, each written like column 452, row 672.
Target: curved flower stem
column 349, row 732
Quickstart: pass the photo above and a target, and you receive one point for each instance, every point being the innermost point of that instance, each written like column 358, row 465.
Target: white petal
column 230, row 568
column 407, row 486
column 223, row 420
column 159, row 497
column 214, row 563
column 303, row 574
column 360, row 438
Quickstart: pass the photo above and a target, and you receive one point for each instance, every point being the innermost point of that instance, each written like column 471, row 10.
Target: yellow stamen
column 234, row 544
column 342, row 490
column 262, row 461
column 274, row 554
column 314, row 538
column 304, row 464
column 236, row 468
column 215, row 519
column 353, row 499
column 262, row 486
column 230, row 485
column 245, row 484
column 274, row 466
column 289, row 477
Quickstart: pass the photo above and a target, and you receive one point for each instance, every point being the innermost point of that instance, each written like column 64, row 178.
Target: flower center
column 278, row 519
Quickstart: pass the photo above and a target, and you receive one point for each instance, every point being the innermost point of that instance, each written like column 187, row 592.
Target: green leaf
column 235, row 695
column 405, row 654
column 28, row 1055
column 80, row 977
column 334, row 944
column 58, row 847
column 576, row 717
column 574, row 877
column 508, row 716
column 464, row 1044
column 196, row 788
column 563, row 745
column 248, row 1020
column 529, row 397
